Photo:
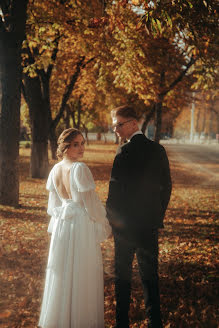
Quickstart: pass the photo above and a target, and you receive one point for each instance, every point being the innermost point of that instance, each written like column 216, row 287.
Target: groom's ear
column 135, row 123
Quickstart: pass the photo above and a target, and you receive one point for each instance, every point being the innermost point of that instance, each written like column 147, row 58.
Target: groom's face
column 124, row 126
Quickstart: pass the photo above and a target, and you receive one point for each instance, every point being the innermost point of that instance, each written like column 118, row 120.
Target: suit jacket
column 139, row 189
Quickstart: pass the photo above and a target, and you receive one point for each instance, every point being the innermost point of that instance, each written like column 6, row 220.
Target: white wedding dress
column 74, row 289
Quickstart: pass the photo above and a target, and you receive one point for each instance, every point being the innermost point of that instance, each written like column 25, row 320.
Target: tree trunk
column 85, row 129
column 45, row 80
column 211, row 118
column 39, row 158
column 72, row 113
column 158, row 110
column 36, row 91
column 69, row 88
column 104, row 137
column 52, row 135
column 10, row 121
column 39, row 127
column 147, row 119
column 79, row 113
column 11, row 38
column 204, row 120
column 197, row 121
column 158, row 121
column 67, row 117
column 163, row 92
column 210, row 129
column 53, row 142
column 170, row 130
column 43, row 126
column 217, row 116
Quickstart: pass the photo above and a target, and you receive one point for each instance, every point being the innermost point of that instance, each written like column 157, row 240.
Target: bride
column 74, row 291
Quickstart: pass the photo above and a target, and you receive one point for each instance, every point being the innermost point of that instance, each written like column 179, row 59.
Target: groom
column 139, row 192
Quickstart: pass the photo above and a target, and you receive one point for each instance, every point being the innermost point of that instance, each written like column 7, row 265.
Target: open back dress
column 74, row 288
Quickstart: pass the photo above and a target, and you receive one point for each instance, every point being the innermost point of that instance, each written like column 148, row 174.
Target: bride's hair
column 65, row 139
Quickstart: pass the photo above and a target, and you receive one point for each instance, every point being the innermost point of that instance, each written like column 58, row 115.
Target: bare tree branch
column 68, row 91
column 67, row 94
column 23, row 91
column 180, row 77
column 148, row 118
column 89, row 61
column 53, row 57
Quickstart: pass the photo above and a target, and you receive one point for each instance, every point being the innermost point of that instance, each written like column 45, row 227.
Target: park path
column 200, row 161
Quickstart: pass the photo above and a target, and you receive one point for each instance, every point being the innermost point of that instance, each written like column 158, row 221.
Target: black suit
column 139, row 192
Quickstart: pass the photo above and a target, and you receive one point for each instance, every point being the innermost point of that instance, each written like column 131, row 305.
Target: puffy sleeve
column 97, row 213
column 83, row 178
column 85, row 184
column 53, row 201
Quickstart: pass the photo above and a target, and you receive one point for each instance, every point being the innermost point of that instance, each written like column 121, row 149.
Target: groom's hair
column 125, row 111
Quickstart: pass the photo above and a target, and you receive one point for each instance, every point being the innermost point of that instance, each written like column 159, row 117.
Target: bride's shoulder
column 83, row 177
column 79, row 166
column 81, row 170
column 50, row 183
column 55, row 166
column 54, row 171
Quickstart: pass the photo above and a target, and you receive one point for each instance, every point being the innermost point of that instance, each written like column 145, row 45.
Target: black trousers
column 147, row 257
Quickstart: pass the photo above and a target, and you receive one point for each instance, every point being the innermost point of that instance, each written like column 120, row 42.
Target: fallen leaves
column 188, row 251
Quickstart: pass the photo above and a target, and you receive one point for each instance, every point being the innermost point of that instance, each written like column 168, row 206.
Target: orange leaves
column 123, row 2
column 5, row 314
column 97, row 22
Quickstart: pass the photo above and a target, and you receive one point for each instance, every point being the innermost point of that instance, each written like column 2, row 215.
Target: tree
column 12, row 34
column 53, row 59
column 152, row 46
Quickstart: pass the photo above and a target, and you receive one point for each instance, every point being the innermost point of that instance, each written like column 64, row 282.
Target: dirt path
column 201, row 162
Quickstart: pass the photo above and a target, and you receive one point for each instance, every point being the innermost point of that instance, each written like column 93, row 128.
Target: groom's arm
column 116, row 202
column 166, row 183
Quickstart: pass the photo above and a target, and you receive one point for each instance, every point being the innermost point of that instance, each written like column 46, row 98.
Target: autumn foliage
column 188, row 248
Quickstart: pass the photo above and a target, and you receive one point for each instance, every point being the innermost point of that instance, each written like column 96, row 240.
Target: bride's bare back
column 62, row 180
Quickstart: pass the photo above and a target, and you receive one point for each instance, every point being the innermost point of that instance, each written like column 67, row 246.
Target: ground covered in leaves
column 188, row 249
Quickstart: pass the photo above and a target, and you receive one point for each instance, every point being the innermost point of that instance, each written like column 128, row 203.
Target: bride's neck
column 68, row 161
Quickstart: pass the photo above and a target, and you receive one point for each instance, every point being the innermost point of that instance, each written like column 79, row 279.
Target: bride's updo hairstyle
column 64, row 141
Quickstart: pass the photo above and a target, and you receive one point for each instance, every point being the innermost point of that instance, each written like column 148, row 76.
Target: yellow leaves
column 136, row 2
column 88, row 32
column 42, row 29
column 167, row 326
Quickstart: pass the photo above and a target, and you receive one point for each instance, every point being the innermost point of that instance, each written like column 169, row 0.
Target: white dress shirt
column 137, row 132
